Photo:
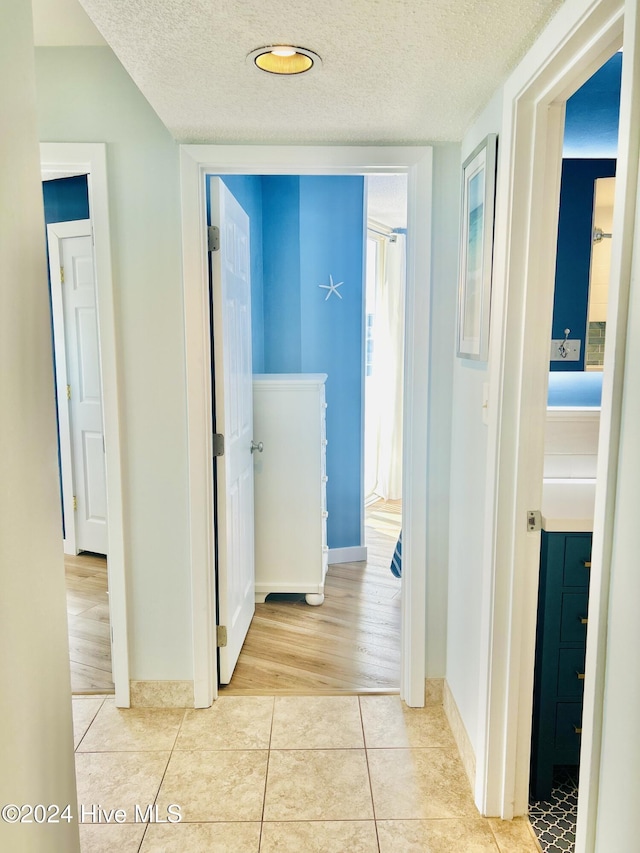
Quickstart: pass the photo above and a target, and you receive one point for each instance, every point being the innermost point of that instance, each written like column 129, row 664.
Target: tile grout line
column 86, row 731
column 164, row 772
column 366, row 758
column 266, row 775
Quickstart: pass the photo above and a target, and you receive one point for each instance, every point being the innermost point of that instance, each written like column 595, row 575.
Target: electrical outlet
column 562, row 350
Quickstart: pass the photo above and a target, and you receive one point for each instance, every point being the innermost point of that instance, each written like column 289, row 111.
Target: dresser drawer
column 573, row 621
column 577, row 552
column 570, row 667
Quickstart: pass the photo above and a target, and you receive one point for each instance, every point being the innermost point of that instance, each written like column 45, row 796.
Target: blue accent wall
column 66, row 199
column 281, row 240
column 332, row 242
column 575, row 389
column 304, row 229
column 592, row 114
column 573, row 259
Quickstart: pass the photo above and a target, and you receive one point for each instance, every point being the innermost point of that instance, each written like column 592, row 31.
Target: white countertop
column 567, row 505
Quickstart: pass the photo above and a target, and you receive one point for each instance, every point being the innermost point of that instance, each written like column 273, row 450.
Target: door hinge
column 221, row 636
column 68, row 392
column 218, row 444
column 534, row 520
column 213, row 238
column 75, row 502
column 61, row 275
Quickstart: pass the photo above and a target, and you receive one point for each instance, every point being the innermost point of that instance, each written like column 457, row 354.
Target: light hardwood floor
column 88, row 620
column 349, row 644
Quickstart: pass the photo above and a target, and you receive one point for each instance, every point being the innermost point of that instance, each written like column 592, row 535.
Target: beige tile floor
column 293, row 774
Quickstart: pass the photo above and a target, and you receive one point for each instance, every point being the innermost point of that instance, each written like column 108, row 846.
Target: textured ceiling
column 393, row 71
column 387, row 200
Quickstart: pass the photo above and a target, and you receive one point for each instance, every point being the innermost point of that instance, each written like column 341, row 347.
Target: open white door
column 233, row 418
column 79, row 386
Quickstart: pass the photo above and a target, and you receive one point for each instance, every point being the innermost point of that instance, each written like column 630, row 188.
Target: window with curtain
column 384, row 359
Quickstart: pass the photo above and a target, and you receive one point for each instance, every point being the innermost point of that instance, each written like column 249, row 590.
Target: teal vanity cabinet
column 565, row 563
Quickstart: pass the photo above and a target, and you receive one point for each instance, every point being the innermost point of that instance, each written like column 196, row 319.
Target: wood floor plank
column 349, row 644
column 88, row 624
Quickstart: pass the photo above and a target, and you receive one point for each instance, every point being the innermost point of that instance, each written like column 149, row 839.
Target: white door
column 78, row 378
column 233, row 417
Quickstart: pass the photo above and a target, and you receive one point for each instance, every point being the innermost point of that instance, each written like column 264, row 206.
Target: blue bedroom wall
column 281, row 258
column 573, row 259
column 304, row 229
column 332, row 243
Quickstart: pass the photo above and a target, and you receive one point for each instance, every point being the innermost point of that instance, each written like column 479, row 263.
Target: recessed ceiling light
column 284, row 59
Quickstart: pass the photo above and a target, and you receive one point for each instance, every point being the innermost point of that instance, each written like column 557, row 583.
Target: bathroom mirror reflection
column 599, row 272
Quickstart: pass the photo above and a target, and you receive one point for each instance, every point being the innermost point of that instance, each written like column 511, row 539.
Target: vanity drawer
column 568, row 731
column 573, row 622
column 570, row 668
column 577, row 553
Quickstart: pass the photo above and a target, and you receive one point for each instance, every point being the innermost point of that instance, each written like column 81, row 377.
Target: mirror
column 599, row 272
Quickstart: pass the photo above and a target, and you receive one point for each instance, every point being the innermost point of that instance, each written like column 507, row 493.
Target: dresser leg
column 314, row 598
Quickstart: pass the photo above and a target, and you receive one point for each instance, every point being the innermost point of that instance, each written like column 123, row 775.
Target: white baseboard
column 354, row 554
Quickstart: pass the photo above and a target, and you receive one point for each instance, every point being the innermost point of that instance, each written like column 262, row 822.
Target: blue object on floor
column 396, row 562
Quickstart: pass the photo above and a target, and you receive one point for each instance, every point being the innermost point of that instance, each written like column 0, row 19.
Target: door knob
column 259, row 447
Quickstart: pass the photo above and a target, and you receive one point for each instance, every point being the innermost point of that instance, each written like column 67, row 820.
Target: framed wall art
column 476, row 256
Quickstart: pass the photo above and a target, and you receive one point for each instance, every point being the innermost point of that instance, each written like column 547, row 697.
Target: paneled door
column 233, row 418
column 79, row 386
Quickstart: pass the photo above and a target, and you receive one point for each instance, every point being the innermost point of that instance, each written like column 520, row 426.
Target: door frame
column 197, row 161
column 57, row 231
column 576, row 43
column 64, row 158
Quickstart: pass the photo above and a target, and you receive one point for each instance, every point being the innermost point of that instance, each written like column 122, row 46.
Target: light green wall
column 444, row 288
column 468, row 483
column 84, row 95
column 36, row 730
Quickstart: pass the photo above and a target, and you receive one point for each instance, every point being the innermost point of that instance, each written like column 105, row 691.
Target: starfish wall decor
column 332, row 288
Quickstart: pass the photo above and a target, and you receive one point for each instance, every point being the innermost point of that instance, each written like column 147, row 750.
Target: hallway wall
column 85, row 95
column 36, row 732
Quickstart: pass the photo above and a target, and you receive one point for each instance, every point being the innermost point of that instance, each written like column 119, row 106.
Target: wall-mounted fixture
column 599, row 235
column 284, row 59
column 563, row 349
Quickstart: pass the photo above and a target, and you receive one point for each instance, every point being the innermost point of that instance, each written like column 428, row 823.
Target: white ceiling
column 387, row 200
column 393, row 71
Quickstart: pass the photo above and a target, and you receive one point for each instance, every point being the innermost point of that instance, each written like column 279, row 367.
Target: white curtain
column 383, row 388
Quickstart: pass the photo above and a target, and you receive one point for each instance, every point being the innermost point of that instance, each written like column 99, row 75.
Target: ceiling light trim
column 284, row 60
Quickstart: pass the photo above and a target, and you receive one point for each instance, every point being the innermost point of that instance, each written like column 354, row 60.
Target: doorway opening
column 97, row 589
column 303, row 230
column 583, row 261
column 79, row 411
column 196, row 163
column 383, row 362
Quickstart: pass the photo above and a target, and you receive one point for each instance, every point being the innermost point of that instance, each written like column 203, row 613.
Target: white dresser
column 290, row 484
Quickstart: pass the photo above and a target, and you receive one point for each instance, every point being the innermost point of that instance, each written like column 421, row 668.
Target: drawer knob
column 580, row 676
column 577, row 730
column 586, row 564
column 583, row 620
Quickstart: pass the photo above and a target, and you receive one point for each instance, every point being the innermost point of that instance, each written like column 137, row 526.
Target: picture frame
column 476, row 250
